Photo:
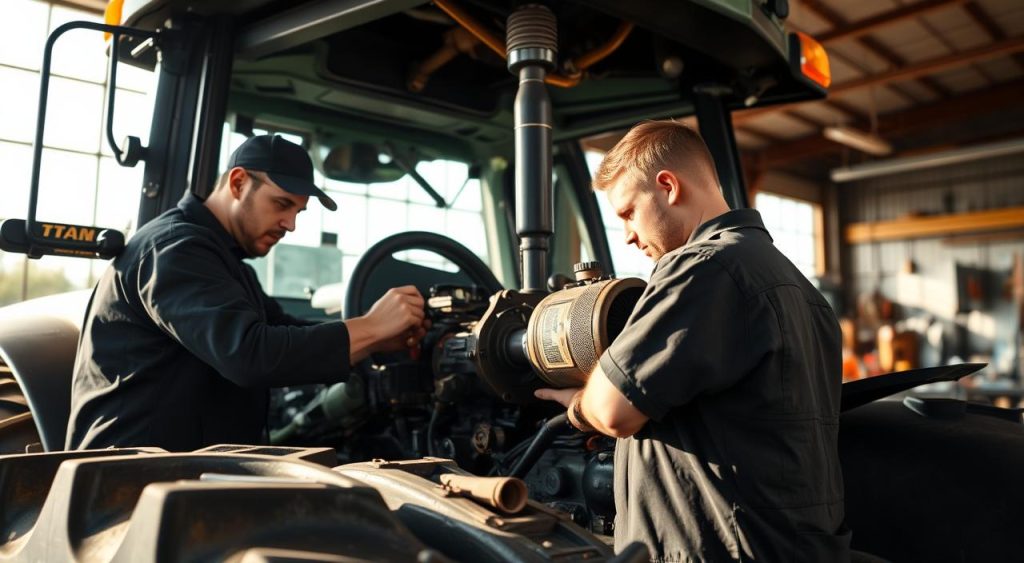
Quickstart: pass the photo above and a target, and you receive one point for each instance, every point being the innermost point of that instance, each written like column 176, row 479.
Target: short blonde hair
column 651, row 146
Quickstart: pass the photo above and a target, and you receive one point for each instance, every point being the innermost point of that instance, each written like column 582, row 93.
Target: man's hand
column 398, row 315
column 562, row 396
column 396, row 322
column 405, row 341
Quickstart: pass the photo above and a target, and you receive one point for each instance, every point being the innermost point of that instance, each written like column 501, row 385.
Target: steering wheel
column 378, row 271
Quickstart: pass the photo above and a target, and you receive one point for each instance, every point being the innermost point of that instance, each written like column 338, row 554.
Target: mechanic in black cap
column 180, row 344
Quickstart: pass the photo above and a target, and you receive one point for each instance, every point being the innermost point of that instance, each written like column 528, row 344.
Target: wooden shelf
column 936, row 225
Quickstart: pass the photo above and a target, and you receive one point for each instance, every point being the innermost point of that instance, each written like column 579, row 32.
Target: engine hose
column 282, row 435
column 539, row 444
column 434, row 416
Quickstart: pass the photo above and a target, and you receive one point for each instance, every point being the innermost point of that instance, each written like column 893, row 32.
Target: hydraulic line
column 577, row 65
column 540, row 443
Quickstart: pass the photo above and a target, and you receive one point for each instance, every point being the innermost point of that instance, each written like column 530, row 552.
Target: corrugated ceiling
column 909, row 62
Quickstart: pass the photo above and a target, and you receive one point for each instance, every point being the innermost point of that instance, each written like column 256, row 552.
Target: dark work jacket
column 735, row 357
column 180, row 344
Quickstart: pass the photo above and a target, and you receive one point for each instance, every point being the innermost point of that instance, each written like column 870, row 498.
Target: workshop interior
column 880, row 141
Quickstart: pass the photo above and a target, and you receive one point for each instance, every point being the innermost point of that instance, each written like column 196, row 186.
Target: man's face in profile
column 646, row 215
column 266, row 213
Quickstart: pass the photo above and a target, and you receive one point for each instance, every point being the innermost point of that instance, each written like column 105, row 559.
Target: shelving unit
column 936, row 225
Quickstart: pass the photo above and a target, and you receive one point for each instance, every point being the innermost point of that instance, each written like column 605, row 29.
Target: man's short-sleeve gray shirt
column 736, row 359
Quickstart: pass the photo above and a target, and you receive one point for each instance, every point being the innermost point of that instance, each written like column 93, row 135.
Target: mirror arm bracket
column 411, row 171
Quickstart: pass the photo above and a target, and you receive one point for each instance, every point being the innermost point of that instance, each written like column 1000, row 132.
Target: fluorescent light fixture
column 913, row 163
column 857, row 139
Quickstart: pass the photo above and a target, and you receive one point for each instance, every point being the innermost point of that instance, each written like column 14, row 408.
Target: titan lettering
column 69, row 232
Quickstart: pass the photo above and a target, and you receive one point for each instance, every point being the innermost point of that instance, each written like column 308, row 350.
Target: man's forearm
column 607, row 410
column 591, row 412
column 574, row 412
column 598, row 406
column 361, row 338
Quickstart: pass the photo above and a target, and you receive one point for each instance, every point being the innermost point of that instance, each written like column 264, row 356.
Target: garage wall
column 780, row 183
column 931, row 288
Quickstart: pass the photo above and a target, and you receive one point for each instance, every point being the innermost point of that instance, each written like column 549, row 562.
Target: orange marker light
column 814, row 60
column 112, row 15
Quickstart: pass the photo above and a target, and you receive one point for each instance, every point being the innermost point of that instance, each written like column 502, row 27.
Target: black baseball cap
column 284, row 162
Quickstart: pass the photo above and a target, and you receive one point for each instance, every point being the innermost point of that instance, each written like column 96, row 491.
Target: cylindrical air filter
column 571, row 328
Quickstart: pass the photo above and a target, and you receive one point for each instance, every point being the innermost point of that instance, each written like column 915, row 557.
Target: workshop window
column 79, row 181
column 796, row 227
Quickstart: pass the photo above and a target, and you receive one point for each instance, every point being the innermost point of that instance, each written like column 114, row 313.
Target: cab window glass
column 627, row 260
column 326, row 245
column 79, row 180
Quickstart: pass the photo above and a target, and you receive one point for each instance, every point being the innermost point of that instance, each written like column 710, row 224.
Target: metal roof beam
column 961, row 108
column 873, row 23
column 839, row 23
column 1005, row 47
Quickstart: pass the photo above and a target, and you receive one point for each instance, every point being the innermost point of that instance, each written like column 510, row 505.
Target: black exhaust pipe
column 532, row 43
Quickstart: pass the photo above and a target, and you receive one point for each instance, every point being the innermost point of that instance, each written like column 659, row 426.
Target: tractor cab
column 458, row 138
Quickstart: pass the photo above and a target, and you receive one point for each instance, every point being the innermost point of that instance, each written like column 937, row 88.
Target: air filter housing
column 571, row 328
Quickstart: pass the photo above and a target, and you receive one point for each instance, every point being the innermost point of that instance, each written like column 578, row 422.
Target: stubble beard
column 247, row 240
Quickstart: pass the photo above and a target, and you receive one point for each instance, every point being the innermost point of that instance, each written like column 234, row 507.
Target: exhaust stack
column 532, row 43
